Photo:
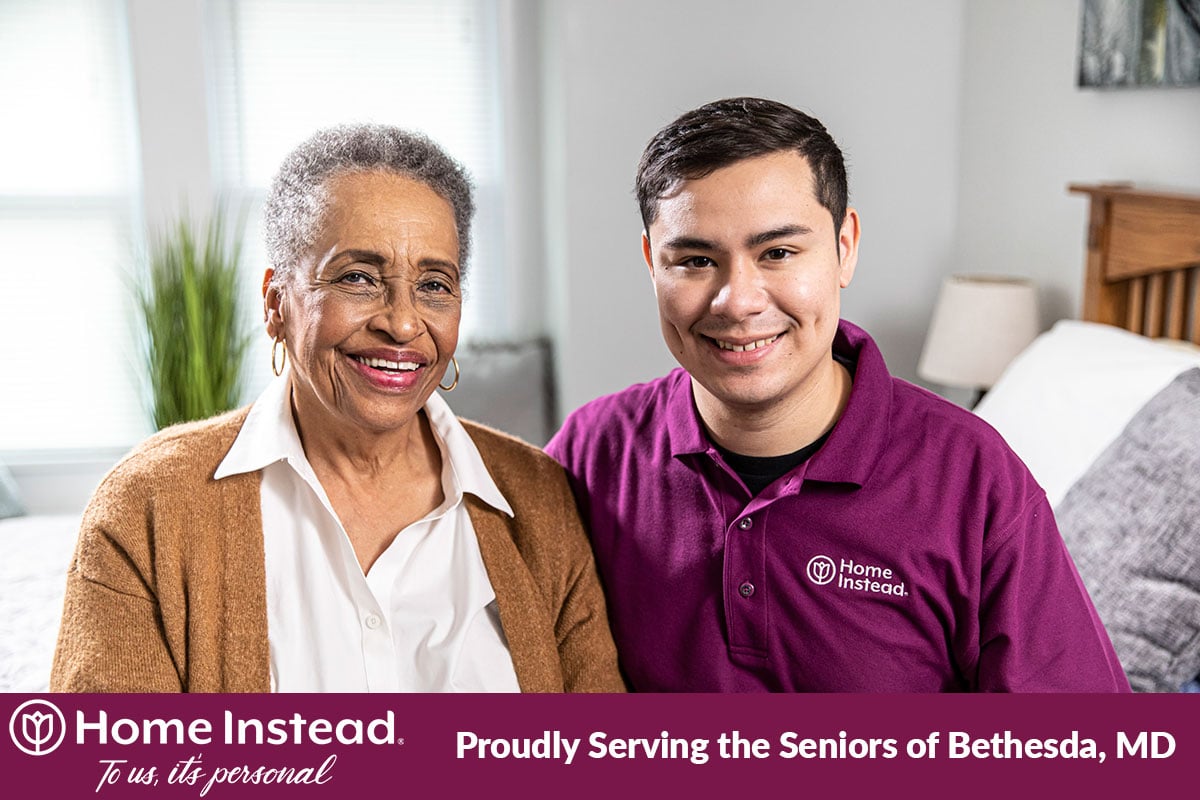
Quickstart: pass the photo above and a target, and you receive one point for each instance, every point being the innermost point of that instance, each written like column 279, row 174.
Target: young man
column 782, row 514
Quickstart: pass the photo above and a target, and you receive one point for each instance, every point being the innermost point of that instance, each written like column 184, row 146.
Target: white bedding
column 1071, row 393
column 35, row 552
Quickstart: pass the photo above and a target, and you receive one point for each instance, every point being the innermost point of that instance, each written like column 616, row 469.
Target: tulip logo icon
column 821, row 570
column 37, row 727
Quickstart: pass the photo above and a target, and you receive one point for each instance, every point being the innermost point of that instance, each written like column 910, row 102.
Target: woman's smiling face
column 370, row 315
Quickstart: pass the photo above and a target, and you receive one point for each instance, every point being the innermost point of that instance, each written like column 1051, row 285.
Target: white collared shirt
column 423, row 619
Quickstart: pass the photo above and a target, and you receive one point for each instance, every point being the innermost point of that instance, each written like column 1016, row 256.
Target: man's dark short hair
column 724, row 132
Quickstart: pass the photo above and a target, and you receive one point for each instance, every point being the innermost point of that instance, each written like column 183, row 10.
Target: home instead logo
column 37, row 727
column 856, row 577
column 821, row 570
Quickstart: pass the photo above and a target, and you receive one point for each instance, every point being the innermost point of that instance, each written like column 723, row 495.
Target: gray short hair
column 299, row 193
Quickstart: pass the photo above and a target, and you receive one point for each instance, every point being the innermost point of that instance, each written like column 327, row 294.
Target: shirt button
column 746, row 524
column 746, row 589
column 373, row 621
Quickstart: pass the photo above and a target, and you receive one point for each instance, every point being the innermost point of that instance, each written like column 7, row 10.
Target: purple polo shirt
column 913, row 553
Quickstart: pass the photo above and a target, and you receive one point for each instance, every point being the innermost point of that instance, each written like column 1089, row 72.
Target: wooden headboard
column 1143, row 260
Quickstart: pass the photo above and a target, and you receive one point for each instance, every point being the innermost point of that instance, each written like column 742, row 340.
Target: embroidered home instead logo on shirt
column 846, row 573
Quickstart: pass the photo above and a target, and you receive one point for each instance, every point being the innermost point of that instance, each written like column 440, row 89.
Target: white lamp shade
column 979, row 325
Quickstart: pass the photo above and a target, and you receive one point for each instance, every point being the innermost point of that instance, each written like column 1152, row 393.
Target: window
column 284, row 68
column 71, row 163
column 68, row 181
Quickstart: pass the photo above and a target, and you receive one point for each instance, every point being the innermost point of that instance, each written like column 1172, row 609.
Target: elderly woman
column 346, row 532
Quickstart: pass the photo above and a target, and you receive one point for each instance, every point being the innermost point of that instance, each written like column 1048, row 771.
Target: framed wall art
column 1132, row 43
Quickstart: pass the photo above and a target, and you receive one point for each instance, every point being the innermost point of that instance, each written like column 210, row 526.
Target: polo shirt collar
column 684, row 428
column 269, row 435
column 858, row 439
column 861, row 435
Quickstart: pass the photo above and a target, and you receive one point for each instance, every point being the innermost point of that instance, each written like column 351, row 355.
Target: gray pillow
column 10, row 501
column 1132, row 524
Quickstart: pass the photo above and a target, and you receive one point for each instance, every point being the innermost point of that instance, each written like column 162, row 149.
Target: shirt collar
column 460, row 453
column 862, row 433
column 859, row 437
column 269, row 435
column 684, row 428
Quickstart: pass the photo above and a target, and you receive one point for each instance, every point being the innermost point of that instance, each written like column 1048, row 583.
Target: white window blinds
column 67, row 180
column 284, row 68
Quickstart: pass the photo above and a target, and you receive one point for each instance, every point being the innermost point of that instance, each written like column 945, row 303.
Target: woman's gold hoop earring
column 450, row 388
column 278, row 370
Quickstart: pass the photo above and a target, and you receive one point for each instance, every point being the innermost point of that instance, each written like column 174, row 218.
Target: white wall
column 1028, row 132
column 167, row 54
column 884, row 77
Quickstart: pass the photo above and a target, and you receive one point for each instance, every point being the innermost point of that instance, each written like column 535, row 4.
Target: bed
column 37, row 551
column 1105, row 411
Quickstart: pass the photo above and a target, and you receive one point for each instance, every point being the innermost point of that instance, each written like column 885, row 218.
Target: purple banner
column 572, row 746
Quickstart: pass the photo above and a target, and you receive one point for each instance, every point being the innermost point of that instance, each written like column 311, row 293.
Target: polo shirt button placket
column 743, row 584
column 746, row 588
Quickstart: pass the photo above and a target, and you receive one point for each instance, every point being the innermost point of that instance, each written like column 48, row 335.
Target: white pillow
column 1071, row 393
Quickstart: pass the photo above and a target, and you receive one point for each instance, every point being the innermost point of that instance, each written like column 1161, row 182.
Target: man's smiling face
column 748, row 269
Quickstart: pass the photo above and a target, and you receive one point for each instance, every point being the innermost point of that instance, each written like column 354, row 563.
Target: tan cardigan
column 167, row 590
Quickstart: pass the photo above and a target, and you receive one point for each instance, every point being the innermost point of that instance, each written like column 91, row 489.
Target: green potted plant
column 195, row 336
